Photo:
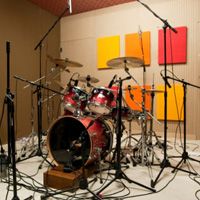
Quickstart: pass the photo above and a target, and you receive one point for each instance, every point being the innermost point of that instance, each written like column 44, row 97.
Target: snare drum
column 100, row 100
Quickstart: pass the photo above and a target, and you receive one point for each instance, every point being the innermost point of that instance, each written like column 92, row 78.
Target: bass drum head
column 63, row 142
column 74, row 142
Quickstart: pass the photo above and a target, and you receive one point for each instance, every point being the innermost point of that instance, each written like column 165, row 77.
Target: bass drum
column 74, row 142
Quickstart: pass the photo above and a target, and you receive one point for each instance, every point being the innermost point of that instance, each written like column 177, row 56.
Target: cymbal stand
column 151, row 132
column 129, row 137
column 129, row 119
column 119, row 174
column 141, row 146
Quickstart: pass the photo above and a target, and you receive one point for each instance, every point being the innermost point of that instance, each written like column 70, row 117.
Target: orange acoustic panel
column 107, row 49
column 137, row 46
column 134, row 98
column 172, row 113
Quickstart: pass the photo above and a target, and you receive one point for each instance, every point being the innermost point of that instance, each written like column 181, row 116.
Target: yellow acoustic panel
column 107, row 48
column 134, row 45
column 135, row 103
column 172, row 113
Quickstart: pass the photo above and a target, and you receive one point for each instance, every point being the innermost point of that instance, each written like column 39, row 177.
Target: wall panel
column 128, row 18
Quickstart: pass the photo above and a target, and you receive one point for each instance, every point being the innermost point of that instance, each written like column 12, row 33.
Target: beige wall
column 24, row 24
column 78, row 42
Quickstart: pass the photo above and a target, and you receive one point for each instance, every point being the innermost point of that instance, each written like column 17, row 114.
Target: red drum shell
column 101, row 100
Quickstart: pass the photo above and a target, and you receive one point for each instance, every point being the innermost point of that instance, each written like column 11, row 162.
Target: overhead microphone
column 112, row 81
column 75, row 82
column 166, row 81
column 70, row 6
column 130, row 94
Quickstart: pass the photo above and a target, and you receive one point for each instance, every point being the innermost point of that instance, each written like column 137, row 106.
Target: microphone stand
column 165, row 163
column 119, row 174
column 10, row 125
column 184, row 155
column 39, row 94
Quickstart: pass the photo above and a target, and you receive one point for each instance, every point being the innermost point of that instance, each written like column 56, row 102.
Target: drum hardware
column 39, row 133
column 31, row 138
column 129, row 147
column 151, row 132
column 119, row 174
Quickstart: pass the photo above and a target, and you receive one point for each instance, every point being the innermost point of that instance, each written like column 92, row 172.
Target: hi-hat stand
column 119, row 174
column 184, row 155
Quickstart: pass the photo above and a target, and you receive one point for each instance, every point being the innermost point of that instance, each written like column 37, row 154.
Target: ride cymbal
column 122, row 62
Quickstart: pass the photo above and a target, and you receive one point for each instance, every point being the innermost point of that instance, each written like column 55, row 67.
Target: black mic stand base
column 121, row 175
column 164, row 164
column 184, row 157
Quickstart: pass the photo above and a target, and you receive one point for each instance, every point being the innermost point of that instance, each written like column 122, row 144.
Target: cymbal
column 88, row 78
column 131, row 89
column 154, row 91
column 63, row 63
column 122, row 62
column 63, row 86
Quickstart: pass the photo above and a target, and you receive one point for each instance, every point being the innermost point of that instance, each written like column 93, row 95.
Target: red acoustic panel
column 176, row 46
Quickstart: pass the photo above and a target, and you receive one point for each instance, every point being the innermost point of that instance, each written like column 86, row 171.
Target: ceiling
column 56, row 7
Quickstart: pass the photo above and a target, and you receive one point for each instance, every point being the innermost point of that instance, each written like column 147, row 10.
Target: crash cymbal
column 63, row 86
column 122, row 62
column 63, row 63
column 88, row 78
column 154, row 91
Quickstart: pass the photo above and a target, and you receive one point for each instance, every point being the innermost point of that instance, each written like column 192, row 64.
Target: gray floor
column 174, row 186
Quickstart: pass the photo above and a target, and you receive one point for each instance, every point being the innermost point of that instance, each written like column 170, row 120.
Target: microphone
column 130, row 94
column 75, row 82
column 166, row 81
column 112, row 81
column 70, row 6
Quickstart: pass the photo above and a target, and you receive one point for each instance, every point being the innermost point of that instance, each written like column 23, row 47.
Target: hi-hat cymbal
column 88, row 78
column 63, row 63
column 131, row 89
column 122, row 62
column 154, row 91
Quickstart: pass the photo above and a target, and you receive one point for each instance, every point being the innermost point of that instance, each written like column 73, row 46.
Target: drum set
column 83, row 135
